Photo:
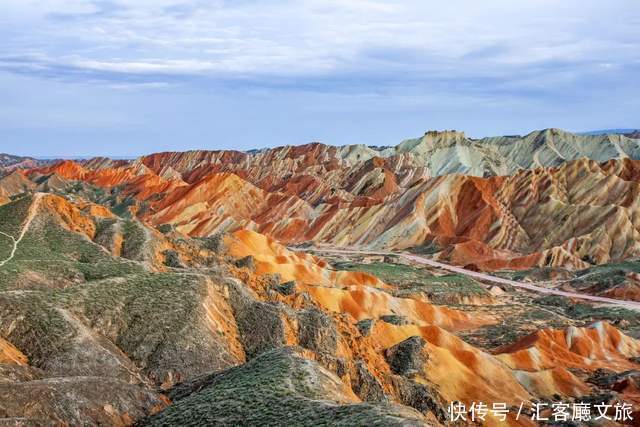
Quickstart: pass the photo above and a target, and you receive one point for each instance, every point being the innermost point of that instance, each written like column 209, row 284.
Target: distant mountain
column 436, row 153
column 635, row 134
column 10, row 162
column 608, row 131
column 448, row 152
column 10, row 159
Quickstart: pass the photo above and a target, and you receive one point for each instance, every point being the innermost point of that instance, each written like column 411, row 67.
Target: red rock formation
column 600, row 345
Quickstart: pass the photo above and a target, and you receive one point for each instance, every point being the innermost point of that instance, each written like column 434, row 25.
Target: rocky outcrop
column 261, row 325
column 246, row 262
column 278, row 387
column 408, row 357
column 365, row 385
column 76, row 401
column 394, row 319
column 317, row 331
column 421, row 397
column 364, row 326
column 617, row 381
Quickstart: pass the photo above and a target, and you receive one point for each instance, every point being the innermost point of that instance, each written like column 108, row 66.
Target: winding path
column 33, row 208
column 487, row 277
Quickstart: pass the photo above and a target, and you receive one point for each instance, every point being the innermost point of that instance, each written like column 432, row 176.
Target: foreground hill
column 105, row 320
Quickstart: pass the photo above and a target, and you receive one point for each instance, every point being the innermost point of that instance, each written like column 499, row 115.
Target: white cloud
column 315, row 38
column 140, row 67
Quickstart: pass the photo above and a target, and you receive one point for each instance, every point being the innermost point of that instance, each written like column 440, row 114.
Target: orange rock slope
column 598, row 346
column 272, row 257
column 11, row 355
column 359, row 294
column 537, row 366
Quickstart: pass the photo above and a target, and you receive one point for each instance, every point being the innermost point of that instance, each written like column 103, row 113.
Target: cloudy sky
column 116, row 77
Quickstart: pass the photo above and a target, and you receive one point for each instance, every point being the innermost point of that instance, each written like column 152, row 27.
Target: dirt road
column 487, row 277
column 27, row 223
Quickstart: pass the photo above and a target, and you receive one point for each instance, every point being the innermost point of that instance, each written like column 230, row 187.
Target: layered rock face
column 547, row 199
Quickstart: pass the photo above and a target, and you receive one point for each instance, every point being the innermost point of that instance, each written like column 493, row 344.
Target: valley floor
column 483, row 277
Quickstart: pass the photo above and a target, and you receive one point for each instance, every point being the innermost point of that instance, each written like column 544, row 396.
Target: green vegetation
column 157, row 319
column 6, row 245
column 494, row 336
column 214, row 243
column 46, row 239
column 606, row 276
column 517, row 322
column 166, row 228
column 104, row 225
column 536, row 274
column 631, row 266
column 149, row 307
column 391, row 273
column 588, row 313
column 120, row 207
column 412, row 279
column 38, row 329
column 51, row 256
column 112, row 198
column 427, row 249
column 13, row 214
column 602, row 277
column 278, row 387
column 134, row 238
column 553, row 301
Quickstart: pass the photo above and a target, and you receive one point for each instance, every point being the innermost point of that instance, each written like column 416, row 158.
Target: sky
column 124, row 78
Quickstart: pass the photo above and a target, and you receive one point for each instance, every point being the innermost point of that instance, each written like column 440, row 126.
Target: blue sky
column 122, row 78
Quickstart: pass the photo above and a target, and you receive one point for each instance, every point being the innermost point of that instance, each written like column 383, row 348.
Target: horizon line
column 610, row 131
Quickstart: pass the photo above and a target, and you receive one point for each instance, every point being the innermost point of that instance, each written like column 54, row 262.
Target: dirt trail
column 487, row 277
column 25, row 227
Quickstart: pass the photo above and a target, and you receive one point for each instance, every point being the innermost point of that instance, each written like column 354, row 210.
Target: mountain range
column 548, row 199
column 191, row 288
